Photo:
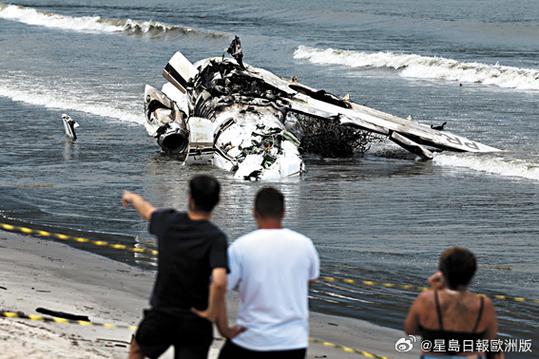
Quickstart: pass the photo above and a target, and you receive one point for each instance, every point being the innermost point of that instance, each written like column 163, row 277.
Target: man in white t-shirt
column 271, row 268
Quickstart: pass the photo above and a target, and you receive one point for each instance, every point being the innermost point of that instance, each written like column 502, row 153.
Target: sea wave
column 31, row 16
column 504, row 167
column 425, row 67
column 492, row 164
column 48, row 98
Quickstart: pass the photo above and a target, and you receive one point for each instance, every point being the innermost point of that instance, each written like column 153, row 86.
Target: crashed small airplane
column 249, row 121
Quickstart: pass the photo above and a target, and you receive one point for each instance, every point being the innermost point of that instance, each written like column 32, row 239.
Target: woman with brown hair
column 452, row 321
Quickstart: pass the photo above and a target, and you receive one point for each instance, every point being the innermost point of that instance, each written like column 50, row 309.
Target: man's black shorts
column 191, row 336
column 234, row 351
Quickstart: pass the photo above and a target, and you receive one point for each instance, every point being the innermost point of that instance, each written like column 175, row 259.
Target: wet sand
column 39, row 273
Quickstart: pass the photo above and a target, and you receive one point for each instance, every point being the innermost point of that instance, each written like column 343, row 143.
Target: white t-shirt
column 271, row 269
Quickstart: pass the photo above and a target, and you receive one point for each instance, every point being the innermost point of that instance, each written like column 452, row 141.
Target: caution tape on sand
column 81, row 240
column 153, row 252
column 346, row 349
column 57, row 320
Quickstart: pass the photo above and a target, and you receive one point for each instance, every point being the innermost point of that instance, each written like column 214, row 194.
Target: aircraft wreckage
column 249, row 121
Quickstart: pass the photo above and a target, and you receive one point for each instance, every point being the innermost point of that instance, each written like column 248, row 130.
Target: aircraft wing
column 414, row 131
column 404, row 132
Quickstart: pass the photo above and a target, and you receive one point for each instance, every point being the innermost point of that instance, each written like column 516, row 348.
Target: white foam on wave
column 66, row 100
column 31, row 16
column 425, row 67
column 490, row 164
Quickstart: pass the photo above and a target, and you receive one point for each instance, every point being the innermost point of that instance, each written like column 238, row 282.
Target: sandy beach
column 41, row 273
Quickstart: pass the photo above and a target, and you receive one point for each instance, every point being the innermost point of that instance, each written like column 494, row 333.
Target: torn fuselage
column 238, row 122
column 250, row 141
column 249, row 121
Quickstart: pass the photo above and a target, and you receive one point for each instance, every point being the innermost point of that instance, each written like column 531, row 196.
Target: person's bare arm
column 216, row 299
column 491, row 330
column 411, row 324
column 143, row 207
column 222, row 320
column 222, row 324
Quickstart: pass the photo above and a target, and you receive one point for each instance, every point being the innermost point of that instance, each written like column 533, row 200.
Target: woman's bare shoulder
column 425, row 297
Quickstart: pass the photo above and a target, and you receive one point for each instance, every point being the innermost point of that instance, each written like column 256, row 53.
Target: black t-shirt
column 188, row 251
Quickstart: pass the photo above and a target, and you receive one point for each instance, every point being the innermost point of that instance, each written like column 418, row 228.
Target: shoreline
column 42, row 273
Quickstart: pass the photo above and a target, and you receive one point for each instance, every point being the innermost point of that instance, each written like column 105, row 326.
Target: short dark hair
column 269, row 203
column 204, row 191
column 458, row 265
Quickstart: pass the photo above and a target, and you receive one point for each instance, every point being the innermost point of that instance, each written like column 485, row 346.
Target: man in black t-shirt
column 191, row 275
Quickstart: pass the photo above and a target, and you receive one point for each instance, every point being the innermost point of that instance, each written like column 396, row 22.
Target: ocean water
column 383, row 217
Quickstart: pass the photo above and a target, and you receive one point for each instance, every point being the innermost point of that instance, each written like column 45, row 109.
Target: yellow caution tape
column 346, row 349
column 7, row 227
column 154, row 252
column 57, row 320
column 82, row 240
column 411, row 287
